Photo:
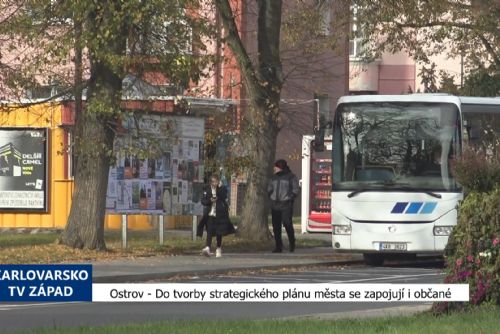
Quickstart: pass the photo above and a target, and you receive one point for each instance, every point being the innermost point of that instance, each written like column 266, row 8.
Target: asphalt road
column 15, row 317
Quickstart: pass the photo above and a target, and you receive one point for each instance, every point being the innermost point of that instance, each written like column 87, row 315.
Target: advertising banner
column 159, row 166
column 23, row 169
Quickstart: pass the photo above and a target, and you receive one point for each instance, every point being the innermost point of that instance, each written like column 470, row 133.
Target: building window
column 70, row 156
column 325, row 9
column 356, row 37
column 154, row 38
column 42, row 91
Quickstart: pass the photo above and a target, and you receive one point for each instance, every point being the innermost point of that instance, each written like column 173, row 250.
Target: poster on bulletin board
column 158, row 167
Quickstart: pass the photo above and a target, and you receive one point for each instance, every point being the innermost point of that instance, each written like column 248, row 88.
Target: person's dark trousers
column 282, row 214
column 201, row 226
column 210, row 228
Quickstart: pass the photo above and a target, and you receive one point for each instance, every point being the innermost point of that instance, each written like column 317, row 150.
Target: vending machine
column 316, row 186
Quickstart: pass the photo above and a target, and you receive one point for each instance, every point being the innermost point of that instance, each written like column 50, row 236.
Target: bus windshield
column 395, row 146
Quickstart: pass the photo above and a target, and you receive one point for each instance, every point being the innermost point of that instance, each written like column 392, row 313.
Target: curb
column 135, row 278
column 384, row 312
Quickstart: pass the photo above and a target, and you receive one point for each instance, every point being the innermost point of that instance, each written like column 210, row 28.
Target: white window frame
column 355, row 42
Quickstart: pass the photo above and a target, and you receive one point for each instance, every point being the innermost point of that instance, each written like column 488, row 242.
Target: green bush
column 472, row 254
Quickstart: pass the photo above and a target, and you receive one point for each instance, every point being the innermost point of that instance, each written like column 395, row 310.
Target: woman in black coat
column 216, row 214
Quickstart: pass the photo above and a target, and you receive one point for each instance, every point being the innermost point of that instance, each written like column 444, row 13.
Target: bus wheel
column 373, row 259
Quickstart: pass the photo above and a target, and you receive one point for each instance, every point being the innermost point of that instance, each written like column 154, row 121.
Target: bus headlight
column 341, row 229
column 442, row 230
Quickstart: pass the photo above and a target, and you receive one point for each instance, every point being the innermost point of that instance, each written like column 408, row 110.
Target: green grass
column 19, row 240
column 484, row 320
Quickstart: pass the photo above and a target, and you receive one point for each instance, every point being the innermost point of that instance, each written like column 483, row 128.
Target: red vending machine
column 316, row 187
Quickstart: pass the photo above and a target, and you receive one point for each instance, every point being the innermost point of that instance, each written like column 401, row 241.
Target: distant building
column 391, row 73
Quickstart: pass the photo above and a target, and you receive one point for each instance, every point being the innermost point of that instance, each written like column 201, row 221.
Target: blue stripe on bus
column 399, row 207
column 414, row 207
column 428, row 207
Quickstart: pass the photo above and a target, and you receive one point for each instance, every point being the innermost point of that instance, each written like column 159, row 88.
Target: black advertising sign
column 23, row 169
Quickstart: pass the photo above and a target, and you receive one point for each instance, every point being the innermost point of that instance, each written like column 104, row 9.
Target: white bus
column 393, row 190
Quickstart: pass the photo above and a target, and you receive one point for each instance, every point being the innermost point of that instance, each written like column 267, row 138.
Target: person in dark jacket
column 216, row 215
column 283, row 188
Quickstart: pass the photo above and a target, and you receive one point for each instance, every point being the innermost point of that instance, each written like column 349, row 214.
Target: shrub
column 472, row 254
column 477, row 170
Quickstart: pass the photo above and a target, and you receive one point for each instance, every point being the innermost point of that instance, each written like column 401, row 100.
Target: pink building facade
column 391, row 74
column 397, row 73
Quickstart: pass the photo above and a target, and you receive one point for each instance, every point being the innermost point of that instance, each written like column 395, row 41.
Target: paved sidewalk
column 163, row 267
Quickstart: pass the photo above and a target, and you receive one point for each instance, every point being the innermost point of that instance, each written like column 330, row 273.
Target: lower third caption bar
column 188, row 292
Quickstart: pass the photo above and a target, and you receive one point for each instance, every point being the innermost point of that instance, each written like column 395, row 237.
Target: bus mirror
column 319, row 139
column 319, row 135
column 473, row 132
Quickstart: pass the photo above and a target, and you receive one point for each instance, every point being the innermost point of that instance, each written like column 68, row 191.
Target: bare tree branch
column 435, row 24
column 490, row 50
column 233, row 38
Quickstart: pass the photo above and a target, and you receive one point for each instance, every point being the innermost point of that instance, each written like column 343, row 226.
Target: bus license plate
column 393, row 246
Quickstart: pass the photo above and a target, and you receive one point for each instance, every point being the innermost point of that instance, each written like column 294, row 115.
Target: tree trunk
column 85, row 227
column 95, row 132
column 94, row 147
column 263, row 83
column 254, row 222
